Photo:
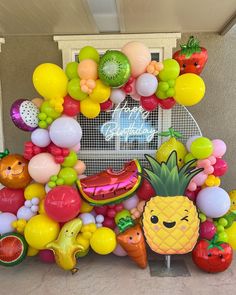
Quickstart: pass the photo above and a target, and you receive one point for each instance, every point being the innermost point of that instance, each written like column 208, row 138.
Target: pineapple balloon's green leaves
column 166, row 178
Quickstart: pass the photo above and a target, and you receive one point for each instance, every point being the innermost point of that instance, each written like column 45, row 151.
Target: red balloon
column 62, row 203
column 71, row 107
column 145, row 191
column 109, row 222
column 101, row 210
column 11, row 199
column 149, row 103
column 46, row 256
column 167, row 103
column 107, row 105
column 220, row 167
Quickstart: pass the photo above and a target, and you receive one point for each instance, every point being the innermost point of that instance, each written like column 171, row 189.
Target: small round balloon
column 89, row 52
column 201, row 148
column 90, row 108
column 103, row 241
column 146, row 84
column 170, row 71
column 117, row 96
column 40, row 137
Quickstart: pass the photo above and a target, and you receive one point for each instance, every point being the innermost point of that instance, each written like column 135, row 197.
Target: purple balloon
column 24, row 114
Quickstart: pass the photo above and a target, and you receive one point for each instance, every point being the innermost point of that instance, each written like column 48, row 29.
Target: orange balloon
column 88, row 69
column 79, row 167
column 14, row 172
column 37, row 101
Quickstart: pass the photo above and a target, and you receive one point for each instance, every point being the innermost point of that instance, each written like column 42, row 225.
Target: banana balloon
column 66, row 246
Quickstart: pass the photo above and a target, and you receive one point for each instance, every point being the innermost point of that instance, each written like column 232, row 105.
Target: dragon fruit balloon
column 24, row 114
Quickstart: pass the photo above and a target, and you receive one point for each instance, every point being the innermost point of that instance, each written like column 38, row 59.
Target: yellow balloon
column 231, row 233
column 66, row 246
column 103, row 241
column 50, row 81
column 85, row 207
column 34, row 190
column 41, row 207
column 41, row 230
column 32, row 252
column 81, row 240
column 100, row 93
column 189, row 89
column 89, row 108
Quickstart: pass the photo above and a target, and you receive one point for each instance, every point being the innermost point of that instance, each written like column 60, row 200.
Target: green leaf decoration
column 172, row 182
column 170, row 133
column 156, row 167
column 156, row 182
column 191, row 47
column 4, row 154
column 125, row 223
column 172, row 161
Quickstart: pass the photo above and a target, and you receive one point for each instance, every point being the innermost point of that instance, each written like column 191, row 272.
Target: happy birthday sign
column 129, row 124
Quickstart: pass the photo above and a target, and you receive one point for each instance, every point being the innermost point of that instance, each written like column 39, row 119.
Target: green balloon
column 69, row 175
column 171, row 70
column 75, row 90
column 170, row 92
column 122, row 214
column 47, row 109
column 189, row 157
column 88, row 52
column 71, row 70
column 70, row 160
column 171, row 83
column 201, row 148
column 163, row 86
column 161, row 94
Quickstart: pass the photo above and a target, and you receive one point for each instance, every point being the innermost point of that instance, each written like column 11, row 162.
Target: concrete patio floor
column 110, row 275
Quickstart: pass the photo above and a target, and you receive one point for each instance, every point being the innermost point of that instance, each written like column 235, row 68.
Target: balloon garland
column 44, row 213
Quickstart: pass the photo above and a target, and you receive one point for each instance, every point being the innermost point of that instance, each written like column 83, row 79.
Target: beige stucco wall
column 216, row 114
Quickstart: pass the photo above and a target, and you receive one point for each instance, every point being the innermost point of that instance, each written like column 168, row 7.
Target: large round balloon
column 88, row 52
column 41, row 230
column 11, row 199
column 114, row 68
column 138, row 55
column 24, row 114
column 231, row 233
column 42, row 167
column 189, row 89
column 62, row 203
column 14, row 171
column 88, row 69
column 201, row 147
column 65, row 132
column 50, row 81
column 90, row 108
column 103, row 241
column 146, row 84
column 100, row 93
column 170, row 71
column 213, row 201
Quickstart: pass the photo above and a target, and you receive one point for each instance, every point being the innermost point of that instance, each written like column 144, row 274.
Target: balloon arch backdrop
column 168, row 198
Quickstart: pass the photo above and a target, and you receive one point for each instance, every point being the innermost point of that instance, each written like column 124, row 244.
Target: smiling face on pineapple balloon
column 14, row 172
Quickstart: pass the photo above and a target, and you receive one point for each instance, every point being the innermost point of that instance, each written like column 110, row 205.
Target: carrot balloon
column 132, row 240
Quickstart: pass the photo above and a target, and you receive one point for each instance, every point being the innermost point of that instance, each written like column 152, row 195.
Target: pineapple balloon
column 170, row 219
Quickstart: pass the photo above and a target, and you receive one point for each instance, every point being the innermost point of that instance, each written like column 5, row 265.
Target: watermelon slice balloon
column 13, row 249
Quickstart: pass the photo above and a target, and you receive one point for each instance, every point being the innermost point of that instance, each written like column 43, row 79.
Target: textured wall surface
column 216, row 114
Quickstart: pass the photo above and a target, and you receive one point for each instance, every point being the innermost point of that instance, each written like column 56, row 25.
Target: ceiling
column 49, row 17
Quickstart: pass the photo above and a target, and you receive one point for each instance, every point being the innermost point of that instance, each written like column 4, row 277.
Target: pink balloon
column 192, row 186
column 212, row 159
column 80, row 167
column 207, row 230
column 133, row 92
column 46, row 256
column 190, row 140
column 76, row 148
column 220, row 167
column 139, row 57
column 219, row 148
column 42, row 166
column 119, row 251
column 146, row 84
column 200, row 178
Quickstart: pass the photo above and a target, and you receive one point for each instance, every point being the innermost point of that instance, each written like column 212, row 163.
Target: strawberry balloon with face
column 14, row 171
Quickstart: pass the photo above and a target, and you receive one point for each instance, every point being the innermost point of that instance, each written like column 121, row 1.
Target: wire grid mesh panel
column 101, row 150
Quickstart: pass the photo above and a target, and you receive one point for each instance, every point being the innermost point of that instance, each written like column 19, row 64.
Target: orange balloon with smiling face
column 14, row 171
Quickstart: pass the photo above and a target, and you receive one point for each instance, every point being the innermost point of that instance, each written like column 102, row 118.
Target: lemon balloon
column 100, row 93
column 34, row 190
column 189, row 89
column 41, row 230
column 90, row 108
column 168, row 147
column 50, row 81
column 103, row 241
column 232, row 195
column 231, row 233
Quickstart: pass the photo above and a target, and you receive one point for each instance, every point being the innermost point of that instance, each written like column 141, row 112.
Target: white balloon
column 47, row 188
column 131, row 203
column 117, row 96
column 25, row 213
column 40, row 137
column 6, row 220
column 99, row 218
column 146, row 84
column 87, row 218
column 65, row 132
column 214, row 202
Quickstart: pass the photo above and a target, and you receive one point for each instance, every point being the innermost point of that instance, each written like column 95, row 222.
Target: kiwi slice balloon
column 114, row 68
